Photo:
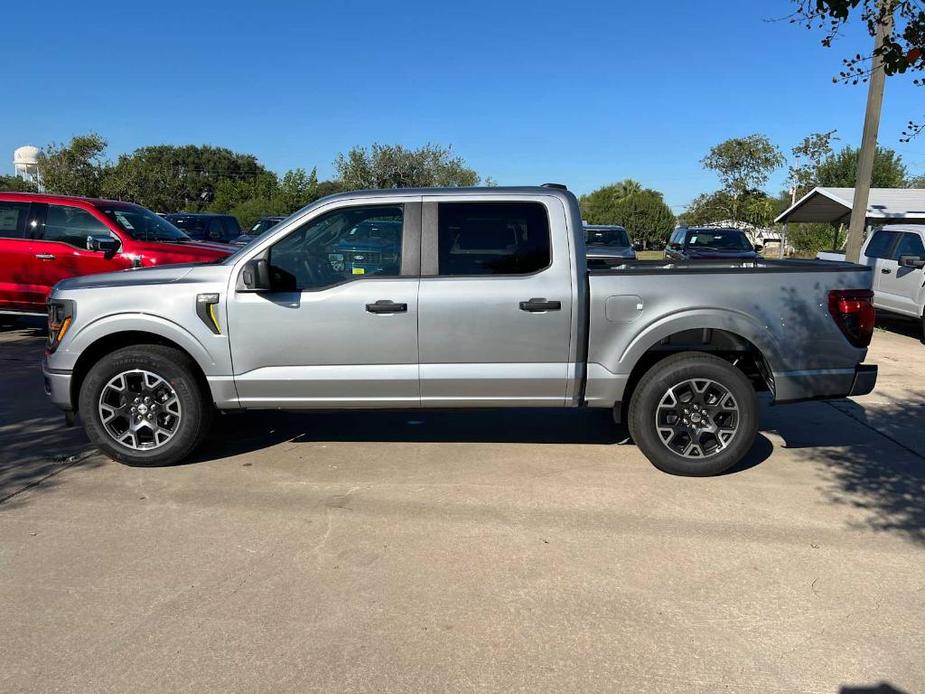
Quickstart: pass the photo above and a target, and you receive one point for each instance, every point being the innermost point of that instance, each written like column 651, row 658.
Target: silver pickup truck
column 454, row 298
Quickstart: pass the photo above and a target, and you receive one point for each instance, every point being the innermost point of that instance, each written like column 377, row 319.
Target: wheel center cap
column 142, row 409
column 695, row 417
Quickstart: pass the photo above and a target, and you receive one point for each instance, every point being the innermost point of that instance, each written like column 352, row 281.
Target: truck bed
column 776, row 308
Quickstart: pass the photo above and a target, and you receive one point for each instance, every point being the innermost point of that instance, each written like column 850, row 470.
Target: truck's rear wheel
column 694, row 414
column 142, row 405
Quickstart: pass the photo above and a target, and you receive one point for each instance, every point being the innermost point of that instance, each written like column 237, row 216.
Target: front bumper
column 824, row 384
column 57, row 386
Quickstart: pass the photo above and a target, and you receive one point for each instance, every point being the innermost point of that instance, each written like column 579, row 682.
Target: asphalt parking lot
column 479, row 551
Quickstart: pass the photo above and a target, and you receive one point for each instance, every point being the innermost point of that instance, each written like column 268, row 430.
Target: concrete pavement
column 483, row 551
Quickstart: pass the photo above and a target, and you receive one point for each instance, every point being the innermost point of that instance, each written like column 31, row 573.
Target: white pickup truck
column 896, row 253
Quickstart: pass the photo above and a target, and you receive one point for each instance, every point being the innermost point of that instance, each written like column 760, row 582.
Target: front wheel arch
column 129, row 338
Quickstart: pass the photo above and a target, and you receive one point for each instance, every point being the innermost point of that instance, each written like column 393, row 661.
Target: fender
column 213, row 359
column 736, row 322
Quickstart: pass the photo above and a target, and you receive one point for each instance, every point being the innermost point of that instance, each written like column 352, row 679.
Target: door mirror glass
column 103, row 243
column 256, row 275
column 912, row 261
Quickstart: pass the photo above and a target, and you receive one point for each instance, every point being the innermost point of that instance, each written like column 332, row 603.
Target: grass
column 650, row 255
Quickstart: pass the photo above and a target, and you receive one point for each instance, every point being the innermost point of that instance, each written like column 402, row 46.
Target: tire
column 174, row 419
column 668, row 391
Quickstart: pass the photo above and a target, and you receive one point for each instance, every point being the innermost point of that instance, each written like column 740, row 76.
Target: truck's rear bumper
column 824, row 384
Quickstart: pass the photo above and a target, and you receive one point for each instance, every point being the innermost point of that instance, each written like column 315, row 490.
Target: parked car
column 47, row 238
column 608, row 241
column 491, row 304
column 206, row 226
column 896, row 253
column 708, row 243
column 261, row 225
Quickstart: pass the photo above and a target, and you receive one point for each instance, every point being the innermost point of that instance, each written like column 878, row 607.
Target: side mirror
column 256, row 275
column 103, row 243
column 674, row 246
column 912, row 261
column 758, row 248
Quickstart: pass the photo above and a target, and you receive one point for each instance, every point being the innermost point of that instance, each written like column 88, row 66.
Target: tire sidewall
column 169, row 364
column 671, row 372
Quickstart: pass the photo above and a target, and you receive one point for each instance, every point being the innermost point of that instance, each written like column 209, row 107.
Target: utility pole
column 869, row 138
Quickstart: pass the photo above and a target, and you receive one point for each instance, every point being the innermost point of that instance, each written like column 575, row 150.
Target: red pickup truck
column 47, row 238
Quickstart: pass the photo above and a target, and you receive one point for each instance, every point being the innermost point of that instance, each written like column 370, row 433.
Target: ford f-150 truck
column 491, row 303
column 896, row 253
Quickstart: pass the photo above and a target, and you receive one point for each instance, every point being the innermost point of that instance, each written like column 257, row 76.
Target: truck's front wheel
column 694, row 414
column 141, row 405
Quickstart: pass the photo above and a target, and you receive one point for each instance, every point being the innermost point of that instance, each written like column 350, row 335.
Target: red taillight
column 854, row 314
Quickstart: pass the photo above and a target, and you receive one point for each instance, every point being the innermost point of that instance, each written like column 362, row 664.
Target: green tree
column 641, row 211
column 903, row 48
column 16, row 184
column 171, row 178
column 840, row 169
column 753, row 207
column 394, row 166
column 808, row 156
column 743, row 165
column 77, row 168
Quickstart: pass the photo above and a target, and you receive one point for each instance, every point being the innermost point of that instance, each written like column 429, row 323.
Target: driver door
column 338, row 329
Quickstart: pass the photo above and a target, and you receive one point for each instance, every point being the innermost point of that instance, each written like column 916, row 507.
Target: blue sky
column 527, row 92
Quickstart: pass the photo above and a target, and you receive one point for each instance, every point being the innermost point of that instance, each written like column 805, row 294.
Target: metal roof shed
column 833, row 206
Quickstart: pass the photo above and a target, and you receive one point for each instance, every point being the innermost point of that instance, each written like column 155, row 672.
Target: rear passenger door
column 495, row 303
column 19, row 288
column 899, row 288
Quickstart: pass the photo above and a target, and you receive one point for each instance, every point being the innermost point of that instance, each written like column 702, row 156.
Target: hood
column 134, row 277
column 162, row 252
column 610, row 252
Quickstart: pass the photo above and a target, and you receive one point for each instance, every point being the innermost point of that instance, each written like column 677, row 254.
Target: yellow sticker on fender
column 359, row 271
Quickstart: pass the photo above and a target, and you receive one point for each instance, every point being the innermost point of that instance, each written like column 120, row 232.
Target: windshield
column 719, row 240
column 263, row 225
column 606, row 237
column 192, row 224
column 143, row 225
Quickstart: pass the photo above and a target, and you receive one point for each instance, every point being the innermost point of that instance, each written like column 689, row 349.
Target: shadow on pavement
column 35, row 444
column 882, row 688
column 909, row 327
column 236, row 434
column 872, row 457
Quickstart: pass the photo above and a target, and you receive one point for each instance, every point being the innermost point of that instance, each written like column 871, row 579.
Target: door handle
column 885, row 271
column 386, row 306
column 536, row 305
column 45, row 256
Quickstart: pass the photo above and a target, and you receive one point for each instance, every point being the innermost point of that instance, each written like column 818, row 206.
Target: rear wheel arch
column 730, row 346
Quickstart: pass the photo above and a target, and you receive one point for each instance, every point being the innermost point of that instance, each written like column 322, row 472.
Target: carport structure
column 833, row 206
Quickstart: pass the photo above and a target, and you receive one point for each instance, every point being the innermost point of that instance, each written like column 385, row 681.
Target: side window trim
column 410, row 252
column 887, row 253
column 430, row 251
column 896, row 253
column 37, row 216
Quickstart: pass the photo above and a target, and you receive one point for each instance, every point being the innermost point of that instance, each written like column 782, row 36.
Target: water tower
column 26, row 163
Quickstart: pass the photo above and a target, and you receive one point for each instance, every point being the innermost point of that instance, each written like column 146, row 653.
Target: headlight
column 60, row 319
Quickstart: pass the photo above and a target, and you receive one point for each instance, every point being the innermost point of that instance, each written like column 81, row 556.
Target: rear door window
column 13, row 217
column 492, row 238
column 909, row 244
column 71, row 225
column 880, row 244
